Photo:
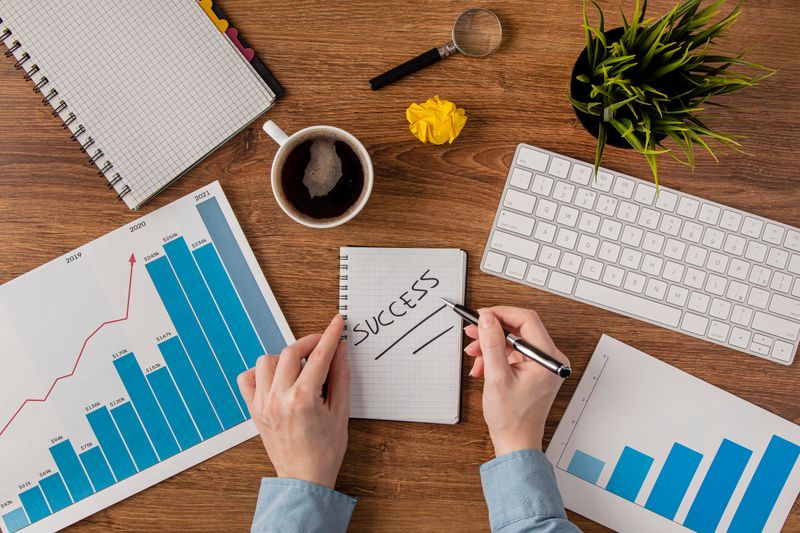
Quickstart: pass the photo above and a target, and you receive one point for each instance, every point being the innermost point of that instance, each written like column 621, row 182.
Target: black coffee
column 322, row 177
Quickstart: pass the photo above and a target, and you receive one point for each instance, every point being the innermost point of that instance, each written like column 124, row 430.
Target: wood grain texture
column 411, row 477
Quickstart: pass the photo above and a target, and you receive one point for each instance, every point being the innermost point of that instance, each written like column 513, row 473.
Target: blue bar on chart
column 673, row 481
column 190, row 387
column 34, row 503
column 628, row 476
column 206, row 310
column 241, row 275
column 56, row 492
column 585, row 466
column 766, row 485
column 717, row 487
column 71, row 470
column 134, row 435
column 206, row 365
column 173, row 407
column 15, row 520
column 145, row 403
column 229, row 303
column 111, row 441
column 97, row 468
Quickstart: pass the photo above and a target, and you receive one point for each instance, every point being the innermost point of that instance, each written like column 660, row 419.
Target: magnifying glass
column 477, row 32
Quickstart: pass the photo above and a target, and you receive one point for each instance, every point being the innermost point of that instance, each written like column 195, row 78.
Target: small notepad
column 404, row 344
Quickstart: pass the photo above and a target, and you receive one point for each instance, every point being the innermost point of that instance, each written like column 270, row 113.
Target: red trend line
column 131, row 260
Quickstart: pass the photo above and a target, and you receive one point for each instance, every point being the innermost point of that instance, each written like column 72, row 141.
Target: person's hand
column 517, row 392
column 305, row 434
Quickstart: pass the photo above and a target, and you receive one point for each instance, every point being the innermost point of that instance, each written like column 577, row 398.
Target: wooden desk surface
column 411, row 477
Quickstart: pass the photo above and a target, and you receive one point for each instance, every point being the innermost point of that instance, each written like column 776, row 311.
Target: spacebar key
column 628, row 304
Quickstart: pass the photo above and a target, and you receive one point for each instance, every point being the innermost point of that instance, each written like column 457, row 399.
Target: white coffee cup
column 290, row 142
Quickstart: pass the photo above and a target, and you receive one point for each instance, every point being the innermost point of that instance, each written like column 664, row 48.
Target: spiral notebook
column 148, row 89
column 404, row 344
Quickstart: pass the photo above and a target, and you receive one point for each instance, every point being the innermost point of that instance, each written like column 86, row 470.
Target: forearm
column 522, row 495
column 289, row 505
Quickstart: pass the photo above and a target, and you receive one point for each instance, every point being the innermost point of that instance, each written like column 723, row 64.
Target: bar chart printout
column 635, row 456
column 148, row 328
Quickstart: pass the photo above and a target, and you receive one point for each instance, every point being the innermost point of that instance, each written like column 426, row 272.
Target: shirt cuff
column 520, row 485
column 294, row 505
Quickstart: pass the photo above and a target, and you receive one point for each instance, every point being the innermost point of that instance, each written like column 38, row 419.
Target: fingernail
column 471, row 372
column 486, row 319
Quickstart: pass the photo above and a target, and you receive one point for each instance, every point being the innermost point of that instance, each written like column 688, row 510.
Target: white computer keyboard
column 672, row 259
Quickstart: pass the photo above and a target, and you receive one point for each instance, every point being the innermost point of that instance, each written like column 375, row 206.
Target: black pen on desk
column 528, row 350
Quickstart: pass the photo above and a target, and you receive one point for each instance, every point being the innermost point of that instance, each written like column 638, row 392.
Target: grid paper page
column 155, row 84
column 405, row 346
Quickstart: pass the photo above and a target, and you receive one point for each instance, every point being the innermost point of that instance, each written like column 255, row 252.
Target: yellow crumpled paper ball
column 436, row 121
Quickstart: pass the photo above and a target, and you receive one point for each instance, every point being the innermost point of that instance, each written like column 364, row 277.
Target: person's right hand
column 517, row 392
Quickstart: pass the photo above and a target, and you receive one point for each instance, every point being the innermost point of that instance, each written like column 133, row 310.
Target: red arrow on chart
column 131, row 260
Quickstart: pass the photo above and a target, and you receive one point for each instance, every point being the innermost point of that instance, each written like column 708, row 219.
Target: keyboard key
column 687, row 207
column 796, row 288
column 606, row 205
column 581, row 174
column 570, row 262
column 720, row 309
column 756, row 251
column 546, row 209
column 588, row 245
column 494, row 262
column 734, row 245
column 652, row 265
column 758, row 298
column 656, row 289
column 549, row 256
column 670, row 225
column 777, row 258
column 716, row 284
column 730, row 220
column 585, row 198
column 544, row 232
column 561, row 282
column 610, row 229
column 673, row 271
column 788, row 307
column 694, row 278
column 794, row 264
column 515, row 222
column 694, row 324
column 737, row 291
column 613, row 276
column 628, row 303
column 666, row 200
column 718, row 331
column 566, row 238
column 692, row 231
column 631, row 258
column 563, row 192
column 698, row 302
column 542, row 185
column 530, row 158
column 632, row 236
column 781, row 282
column 559, row 167
column 634, row 282
column 653, row 242
column 645, row 194
column 603, row 181
column 713, row 238
column 696, row 256
column 762, row 339
column 589, row 222
column 759, row 348
column 739, row 269
column 776, row 326
column 592, row 269
column 741, row 315
column 516, row 268
column 627, row 211
column 520, row 178
column 649, row 218
column 609, row 252
column 537, row 275
column 709, row 214
column 519, row 201
column 623, row 187
column 752, row 227
column 677, row 295
column 514, row 245
column 783, row 351
column 740, row 337
column 759, row 275
column 674, row 249
column 792, row 240
column 773, row 234
column 718, row 262
column 567, row 216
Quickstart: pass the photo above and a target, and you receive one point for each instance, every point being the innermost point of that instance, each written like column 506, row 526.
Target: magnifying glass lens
column 477, row 32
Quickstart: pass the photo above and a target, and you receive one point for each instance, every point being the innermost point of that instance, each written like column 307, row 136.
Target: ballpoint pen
column 526, row 349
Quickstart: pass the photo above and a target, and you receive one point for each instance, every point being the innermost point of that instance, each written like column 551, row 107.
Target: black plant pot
column 580, row 92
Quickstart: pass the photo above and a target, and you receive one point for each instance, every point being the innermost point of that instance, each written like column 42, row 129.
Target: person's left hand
column 305, row 434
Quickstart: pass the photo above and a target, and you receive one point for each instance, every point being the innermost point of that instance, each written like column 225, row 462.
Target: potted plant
column 651, row 79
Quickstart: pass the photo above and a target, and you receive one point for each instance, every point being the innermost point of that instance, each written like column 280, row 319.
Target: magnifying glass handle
column 409, row 67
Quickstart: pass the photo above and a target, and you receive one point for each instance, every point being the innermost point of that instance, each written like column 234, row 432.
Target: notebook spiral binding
column 343, row 292
column 60, row 109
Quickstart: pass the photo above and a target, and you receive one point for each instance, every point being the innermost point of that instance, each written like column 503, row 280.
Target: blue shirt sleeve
column 522, row 495
column 288, row 505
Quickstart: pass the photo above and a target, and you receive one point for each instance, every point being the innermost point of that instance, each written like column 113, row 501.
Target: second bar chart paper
column 644, row 446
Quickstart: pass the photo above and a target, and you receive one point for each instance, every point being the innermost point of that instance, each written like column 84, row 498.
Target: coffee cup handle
column 277, row 134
